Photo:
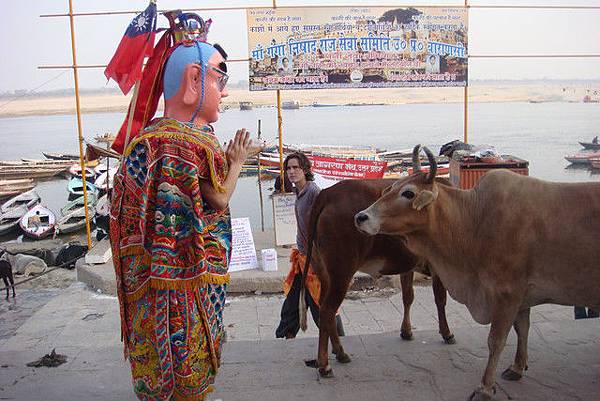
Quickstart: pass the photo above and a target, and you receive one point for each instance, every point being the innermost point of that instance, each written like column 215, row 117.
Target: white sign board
column 243, row 253
column 269, row 260
column 284, row 218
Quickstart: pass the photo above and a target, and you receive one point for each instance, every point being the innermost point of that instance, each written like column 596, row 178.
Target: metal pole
column 466, row 92
column 79, row 130
column 260, row 195
column 279, row 122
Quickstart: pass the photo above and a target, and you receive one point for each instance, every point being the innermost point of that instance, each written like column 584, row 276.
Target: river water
column 542, row 133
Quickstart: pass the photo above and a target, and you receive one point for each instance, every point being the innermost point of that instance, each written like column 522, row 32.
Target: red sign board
column 342, row 168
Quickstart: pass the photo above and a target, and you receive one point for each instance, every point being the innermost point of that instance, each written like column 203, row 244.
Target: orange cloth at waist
column 298, row 260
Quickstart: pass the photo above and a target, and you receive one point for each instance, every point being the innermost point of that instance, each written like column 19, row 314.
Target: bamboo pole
column 279, row 129
column 466, row 92
column 79, row 130
column 260, row 195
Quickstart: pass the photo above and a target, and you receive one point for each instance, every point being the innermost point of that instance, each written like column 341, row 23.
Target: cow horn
column 432, row 165
column 416, row 161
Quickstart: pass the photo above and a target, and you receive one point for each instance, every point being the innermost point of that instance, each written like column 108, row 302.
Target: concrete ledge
column 99, row 277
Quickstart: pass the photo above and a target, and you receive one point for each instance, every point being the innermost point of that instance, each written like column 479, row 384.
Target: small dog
column 7, row 275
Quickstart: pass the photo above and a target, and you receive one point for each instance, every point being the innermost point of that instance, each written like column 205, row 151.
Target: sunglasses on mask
column 223, row 77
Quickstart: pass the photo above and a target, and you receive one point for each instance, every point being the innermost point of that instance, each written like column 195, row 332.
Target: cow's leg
column 12, row 282
column 439, row 294
column 521, row 325
column 330, row 303
column 408, row 296
column 503, row 315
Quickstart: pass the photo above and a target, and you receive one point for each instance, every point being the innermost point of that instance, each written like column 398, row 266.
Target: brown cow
column 508, row 244
column 338, row 250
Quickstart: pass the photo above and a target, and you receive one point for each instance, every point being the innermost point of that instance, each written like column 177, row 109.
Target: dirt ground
column 59, row 278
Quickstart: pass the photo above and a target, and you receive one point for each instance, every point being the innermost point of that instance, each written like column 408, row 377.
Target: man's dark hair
column 304, row 163
column 223, row 53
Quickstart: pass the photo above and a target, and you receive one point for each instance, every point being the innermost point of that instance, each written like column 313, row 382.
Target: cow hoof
column 406, row 336
column 481, row 395
column 326, row 373
column 343, row 358
column 450, row 339
column 511, row 375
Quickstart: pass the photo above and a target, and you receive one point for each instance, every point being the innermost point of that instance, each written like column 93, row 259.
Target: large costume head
column 194, row 82
column 191, row 71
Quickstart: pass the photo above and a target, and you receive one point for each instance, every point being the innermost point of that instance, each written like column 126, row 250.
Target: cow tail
column 315, row 212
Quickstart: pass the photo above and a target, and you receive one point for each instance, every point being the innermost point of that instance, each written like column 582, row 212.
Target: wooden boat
column 106, row 179
column 28, row 199
column 595, row 162
column 107, row 137
column 38, row 222
column 590, row 145
column 75, row 171
column 75, row 187
column 60, row 156
column 315, row 104
column 246, row 105
column 582, row 157
column 73, row 221
column 15, row 187
column 29, row 171
column 103, row 206
column 10, row 220
column 290, row 105
column 78, row 203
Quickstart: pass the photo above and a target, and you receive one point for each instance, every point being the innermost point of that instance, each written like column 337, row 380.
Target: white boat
column 103, row 206
column 10, row 220
column 582, row 157
column 75, row 171
column 73, row 221
column 38, row 222
column 78, row 203
column 28, row 199
column 101, row 181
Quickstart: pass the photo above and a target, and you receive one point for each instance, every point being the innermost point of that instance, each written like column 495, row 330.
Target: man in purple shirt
column 298, row 170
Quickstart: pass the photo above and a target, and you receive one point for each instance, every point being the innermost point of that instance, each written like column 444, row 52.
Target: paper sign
column 284, row 218
column 269, row 260
column 243, row 253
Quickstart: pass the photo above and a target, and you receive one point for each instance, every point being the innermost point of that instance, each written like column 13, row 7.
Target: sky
column 30, row 41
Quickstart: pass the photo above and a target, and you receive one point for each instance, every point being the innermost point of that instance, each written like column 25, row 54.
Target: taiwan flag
column 125, row 67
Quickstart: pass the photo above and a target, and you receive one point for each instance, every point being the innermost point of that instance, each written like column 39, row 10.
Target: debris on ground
column 50, row 360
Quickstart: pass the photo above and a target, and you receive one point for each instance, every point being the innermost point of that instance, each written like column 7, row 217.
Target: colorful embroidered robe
column 170, row 251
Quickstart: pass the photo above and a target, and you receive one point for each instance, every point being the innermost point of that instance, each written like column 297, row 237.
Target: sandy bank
column 477, row 93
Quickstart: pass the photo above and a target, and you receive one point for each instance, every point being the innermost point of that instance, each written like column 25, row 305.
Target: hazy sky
column 29, row 41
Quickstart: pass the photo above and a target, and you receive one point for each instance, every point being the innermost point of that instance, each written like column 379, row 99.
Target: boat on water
column 27, row 199
column 60, row 156
column 38, row 222
column 78, row 203
column 8, row 172
column 315, row 104
column 103, row 206
column 595, row 162
column 290, row 105
column 75, row 171
column 582, row 157
column 71, row 222
column 75, row 187
column 106, row 179
column 107, row 138
column 590, row 145
column 10, row 220
column 246, row 105
column 15, row 187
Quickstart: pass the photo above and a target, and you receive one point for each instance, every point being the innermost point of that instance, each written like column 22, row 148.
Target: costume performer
column 170, row 226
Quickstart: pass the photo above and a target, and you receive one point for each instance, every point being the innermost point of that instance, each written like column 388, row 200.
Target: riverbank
column 534, row 92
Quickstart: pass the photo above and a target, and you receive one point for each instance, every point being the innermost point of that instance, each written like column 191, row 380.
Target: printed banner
column 342, row 168
column 359, row 47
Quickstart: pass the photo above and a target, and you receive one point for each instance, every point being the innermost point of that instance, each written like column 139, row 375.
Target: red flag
column 125, row 67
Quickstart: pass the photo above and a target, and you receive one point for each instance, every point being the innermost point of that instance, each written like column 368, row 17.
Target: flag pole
column 279, row 129
column 132, row 105
column 79, row 129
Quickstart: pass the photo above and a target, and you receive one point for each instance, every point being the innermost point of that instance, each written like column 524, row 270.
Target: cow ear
column 423, row 199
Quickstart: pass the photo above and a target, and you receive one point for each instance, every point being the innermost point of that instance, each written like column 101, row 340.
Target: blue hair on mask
column 200, row 52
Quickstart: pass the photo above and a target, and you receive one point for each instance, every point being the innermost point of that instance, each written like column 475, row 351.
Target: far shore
column 478, row 93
